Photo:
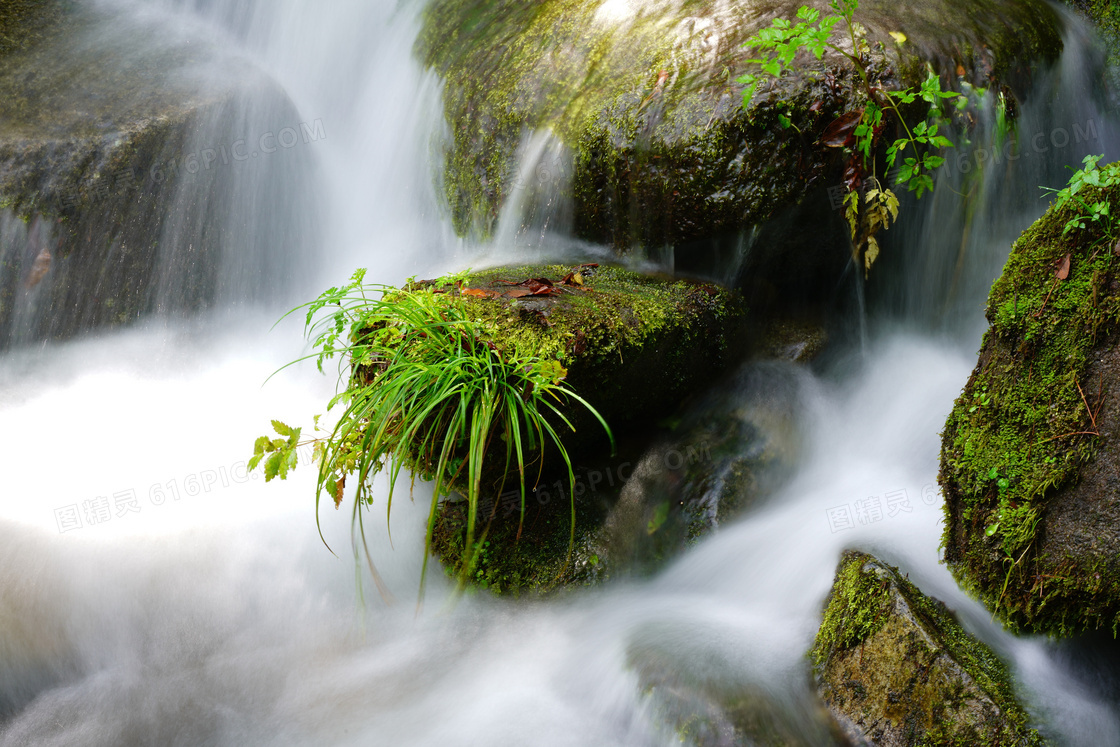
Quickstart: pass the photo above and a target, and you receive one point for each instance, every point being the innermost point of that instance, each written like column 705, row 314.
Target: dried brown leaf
column 1063, row 268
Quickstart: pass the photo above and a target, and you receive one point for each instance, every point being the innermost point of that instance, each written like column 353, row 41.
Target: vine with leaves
column 870, row 206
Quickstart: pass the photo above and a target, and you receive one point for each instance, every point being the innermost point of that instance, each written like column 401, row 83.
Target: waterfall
column 152, row 591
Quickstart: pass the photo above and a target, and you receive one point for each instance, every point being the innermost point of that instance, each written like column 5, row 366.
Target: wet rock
column 731, row 449
column 643, row 96
column 117, row 160
column 797, row 340
column 1030, row 455
column 895, row 667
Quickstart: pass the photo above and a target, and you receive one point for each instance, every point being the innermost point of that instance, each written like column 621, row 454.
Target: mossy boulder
column 1030, row 454
column 119, row 195
column 895, row 667
column 633, row 346
column 643, row 98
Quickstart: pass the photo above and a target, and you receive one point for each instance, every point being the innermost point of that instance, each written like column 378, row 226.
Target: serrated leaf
column 870, row 255
column 272, row 466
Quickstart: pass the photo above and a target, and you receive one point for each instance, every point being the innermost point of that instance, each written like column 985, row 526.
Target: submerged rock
column 1030, row 455
column 125, row 155
column 728, row 452
column 643, row 96
column 896, row 668
column 706, row 702
column 666, row 489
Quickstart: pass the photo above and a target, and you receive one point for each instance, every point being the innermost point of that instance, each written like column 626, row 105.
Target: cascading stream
column 153, row 592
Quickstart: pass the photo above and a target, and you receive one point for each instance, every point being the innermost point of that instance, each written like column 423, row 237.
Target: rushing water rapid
column 208, row 612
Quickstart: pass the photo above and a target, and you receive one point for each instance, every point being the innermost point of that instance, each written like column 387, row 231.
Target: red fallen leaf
column 590, row 264
column 480, row 293
column 517, row 293
column 839, row 133
column 815, row 106
column 1063, row 269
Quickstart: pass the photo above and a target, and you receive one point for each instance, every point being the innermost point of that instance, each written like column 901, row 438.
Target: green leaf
column 272, row 465
column 810, row 15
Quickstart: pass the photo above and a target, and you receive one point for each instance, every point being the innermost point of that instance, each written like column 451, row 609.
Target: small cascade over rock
column 154, row 173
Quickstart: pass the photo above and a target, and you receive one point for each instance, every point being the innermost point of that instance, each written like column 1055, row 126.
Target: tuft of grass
column 422, row 385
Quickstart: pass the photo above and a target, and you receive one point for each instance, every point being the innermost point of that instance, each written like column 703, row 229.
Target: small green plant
column 870, row 206
column 980, row 399
column 423, row 385
column 1098, row 211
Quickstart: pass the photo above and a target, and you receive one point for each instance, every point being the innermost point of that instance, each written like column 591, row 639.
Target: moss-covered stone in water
column 895, row 667
column 647, row 103
column 1032, row 518
column 633, row 346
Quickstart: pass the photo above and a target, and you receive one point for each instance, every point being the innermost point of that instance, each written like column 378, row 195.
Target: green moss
column 1021, row 429
column 627, row 339
column 515, row 557
column 856, row 609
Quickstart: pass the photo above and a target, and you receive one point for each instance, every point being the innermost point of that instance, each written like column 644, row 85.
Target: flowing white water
column 208, row 611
